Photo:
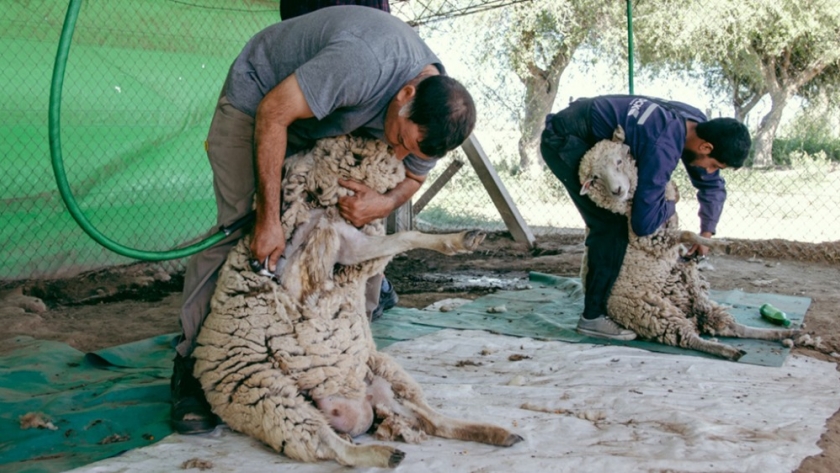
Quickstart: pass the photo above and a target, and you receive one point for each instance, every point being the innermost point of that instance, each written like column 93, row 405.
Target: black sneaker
column 191, row 413
column 387, row 298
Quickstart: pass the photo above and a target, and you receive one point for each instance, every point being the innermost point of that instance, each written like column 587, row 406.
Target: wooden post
column 400, row 220
column 498, row 193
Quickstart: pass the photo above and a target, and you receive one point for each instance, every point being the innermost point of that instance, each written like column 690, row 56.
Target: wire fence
column 140, row 88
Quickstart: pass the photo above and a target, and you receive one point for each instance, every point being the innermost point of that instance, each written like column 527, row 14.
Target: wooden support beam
column 401, row 219
column 498, row 193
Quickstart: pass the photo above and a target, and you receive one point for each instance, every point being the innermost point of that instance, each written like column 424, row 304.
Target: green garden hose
column 61, row 176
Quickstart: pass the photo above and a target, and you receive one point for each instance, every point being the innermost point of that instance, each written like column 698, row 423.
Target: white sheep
column 270, row 351
column 658, row 295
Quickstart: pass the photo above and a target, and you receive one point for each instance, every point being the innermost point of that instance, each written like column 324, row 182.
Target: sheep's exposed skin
column 657, row 295
column 268, row 350
column 355, row 416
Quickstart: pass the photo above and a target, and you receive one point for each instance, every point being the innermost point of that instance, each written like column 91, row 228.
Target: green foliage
column 744, row 48
column 787, row 150
column 811, row 135
column 447, row 216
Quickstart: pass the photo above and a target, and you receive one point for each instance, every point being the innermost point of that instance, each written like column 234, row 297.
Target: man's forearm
column 401, row 194
column 270, row 142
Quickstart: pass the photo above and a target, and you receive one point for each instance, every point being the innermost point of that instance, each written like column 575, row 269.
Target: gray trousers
column 230, row 149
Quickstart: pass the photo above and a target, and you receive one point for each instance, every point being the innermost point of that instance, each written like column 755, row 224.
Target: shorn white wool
column 268, row 351
column 657, row 294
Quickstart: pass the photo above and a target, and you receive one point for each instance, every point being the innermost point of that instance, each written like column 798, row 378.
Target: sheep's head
column 608, row 174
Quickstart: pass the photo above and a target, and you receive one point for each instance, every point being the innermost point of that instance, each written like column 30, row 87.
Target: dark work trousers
column 566, row 138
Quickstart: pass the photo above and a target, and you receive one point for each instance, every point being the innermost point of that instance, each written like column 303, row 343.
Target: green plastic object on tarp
column 551, row 308
column 98, row 404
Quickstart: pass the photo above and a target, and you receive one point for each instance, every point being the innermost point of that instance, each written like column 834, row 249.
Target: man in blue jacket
column 660, row 134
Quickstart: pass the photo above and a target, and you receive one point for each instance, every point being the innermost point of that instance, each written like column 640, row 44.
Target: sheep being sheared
column 657, row 294
column 271, row 352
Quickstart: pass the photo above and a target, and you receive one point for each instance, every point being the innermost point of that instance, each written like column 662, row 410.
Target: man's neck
column 429, row 70
column 690, row 130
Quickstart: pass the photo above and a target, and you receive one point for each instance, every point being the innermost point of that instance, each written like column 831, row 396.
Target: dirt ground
column 112, row 307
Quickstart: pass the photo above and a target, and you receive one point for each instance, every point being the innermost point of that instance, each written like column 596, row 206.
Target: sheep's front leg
column 679, row 331
column 411, row 402
column 694, row 342
column 357, row 247
column 695, row 239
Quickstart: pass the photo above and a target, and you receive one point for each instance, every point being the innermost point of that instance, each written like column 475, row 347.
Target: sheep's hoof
column 737, row 356
column 512, row 439
column 396, row 458
column 472, row 239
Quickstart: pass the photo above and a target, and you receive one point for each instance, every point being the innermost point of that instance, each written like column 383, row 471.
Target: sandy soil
column 116, row 306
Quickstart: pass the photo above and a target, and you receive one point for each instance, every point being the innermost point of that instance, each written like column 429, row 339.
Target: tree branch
column 746, row 108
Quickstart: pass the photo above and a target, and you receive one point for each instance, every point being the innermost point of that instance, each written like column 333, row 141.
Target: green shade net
column 141, row 84
column 117, row 399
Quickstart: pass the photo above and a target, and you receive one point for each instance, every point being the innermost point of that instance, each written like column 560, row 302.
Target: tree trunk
column 763, row 142
column 540, row 92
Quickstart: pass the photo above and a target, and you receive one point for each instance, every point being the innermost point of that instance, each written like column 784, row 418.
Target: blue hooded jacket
column 655, row 132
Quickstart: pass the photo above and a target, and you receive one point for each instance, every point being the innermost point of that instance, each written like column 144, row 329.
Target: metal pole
column 630, row 44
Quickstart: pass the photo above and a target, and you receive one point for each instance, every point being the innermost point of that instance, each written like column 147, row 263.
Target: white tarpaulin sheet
column 580, row 408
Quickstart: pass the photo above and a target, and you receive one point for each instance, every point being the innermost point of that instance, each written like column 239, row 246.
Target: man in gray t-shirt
column 338, row 70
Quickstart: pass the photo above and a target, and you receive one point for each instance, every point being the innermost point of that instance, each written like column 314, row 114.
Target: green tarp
column 100, row 403
column 117, row 399
column 551, row 308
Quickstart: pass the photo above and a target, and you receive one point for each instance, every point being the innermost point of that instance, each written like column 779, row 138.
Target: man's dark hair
column 730, row 140
column 445, row 113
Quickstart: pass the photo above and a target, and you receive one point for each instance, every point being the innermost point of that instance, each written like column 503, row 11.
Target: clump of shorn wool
column 271, row 349
column 657, row 294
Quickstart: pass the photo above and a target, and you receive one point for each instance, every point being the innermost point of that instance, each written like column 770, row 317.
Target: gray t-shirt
column 350, row 62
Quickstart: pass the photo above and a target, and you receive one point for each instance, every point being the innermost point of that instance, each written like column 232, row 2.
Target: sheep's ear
column 618, row 135
column 584, row 188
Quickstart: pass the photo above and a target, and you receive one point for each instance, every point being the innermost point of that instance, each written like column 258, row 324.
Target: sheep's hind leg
column 259, row 401
column 348, row 454
column 301, row 432
column 409, row 396
column 742, row 331
column 716, row 320
column 357, row 247
column 331, row 446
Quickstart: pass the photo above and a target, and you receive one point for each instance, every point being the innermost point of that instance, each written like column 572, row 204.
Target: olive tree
column 535, row 41
column 747, row 49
